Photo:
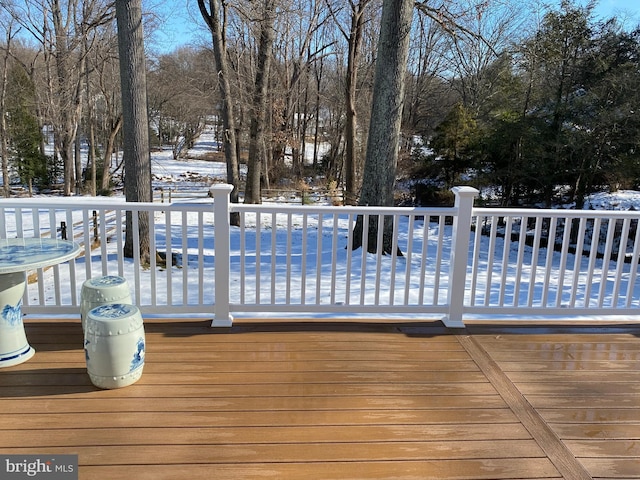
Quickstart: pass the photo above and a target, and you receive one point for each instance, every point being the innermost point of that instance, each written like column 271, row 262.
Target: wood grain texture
column 335, row 400
column 582, row 381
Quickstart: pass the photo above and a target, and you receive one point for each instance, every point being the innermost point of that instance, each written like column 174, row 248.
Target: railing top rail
column 346, row 210
column 557, row 213
column 73, row 200
column 94, row 203
column 85, row 203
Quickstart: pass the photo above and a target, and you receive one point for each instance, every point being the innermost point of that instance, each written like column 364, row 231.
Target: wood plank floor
column 336, row 400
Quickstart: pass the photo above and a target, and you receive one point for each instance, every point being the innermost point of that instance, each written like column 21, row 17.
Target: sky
column 620, row 8
column 179, row 21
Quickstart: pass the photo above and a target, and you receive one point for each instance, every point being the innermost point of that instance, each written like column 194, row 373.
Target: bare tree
column 429, row 96
column 61, row 28
column 65, row 87
column 108, row 104
column 489, row 28
column 4, row 135
column 386, row 117
column 178, row 97
column 214, row 17
column 296, row 48
column 135, row 120
column 353, row 35
column 97, row 49
column 257, row 146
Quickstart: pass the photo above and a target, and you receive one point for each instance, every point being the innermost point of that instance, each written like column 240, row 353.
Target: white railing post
column 221, row 195
column 461, row 233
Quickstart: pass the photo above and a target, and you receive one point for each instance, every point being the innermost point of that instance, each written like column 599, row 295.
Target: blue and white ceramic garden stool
column 98, row 291
column 114, row 345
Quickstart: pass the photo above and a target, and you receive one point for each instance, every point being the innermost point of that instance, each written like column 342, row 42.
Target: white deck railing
column 455, row 262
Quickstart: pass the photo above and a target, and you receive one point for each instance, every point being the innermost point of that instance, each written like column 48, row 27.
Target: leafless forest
column 534, row 103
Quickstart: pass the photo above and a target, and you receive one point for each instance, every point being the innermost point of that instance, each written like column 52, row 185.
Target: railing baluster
column 37, row 227
column 394, row 260
column 319, row 259
column 19, row 223
column 577, row 261
column 534, row 261
column 548, row 266
column 475, row 263
column 520, row 273
column 562, row 269
column 379, row 250
column 633, row 266
column 439, row 259
column 258, row 257
column 506, row 253
column 103, row 241
column 363, row 260
column 201, row 257
column 334, row 259
column 424, row 256
column 86, row 235
column 349, row 248
column 184, row 259
column 606, row 260
column 289, row 254
column 136, row 259
column 168, row 259
column 274, row 256
column 71, row 265
column 243, row 258
column 120, row 220
column 303, row 259
column 593, row 256
column 622, row 250
column 3, row 223
column 493, row 235
column 408, row 259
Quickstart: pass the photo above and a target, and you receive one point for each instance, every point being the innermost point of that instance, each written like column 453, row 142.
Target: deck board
column 489, row 469
column 584, row 382
column 335, row 400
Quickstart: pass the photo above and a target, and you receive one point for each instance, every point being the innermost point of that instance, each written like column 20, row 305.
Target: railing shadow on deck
column 187, row 329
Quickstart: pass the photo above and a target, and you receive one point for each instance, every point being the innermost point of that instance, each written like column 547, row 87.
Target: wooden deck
column 336, row 400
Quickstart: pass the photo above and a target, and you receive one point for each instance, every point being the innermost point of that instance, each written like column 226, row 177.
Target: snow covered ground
column 191, row 172
column 621, row 200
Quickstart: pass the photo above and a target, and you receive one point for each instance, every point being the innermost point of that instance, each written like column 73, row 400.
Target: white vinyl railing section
column 448, row 263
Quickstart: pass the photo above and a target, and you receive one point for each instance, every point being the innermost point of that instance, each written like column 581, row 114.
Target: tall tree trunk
column 66, row 93
column 354, row 39
column 386, row 117
column 137, row 159
column 91, row 134
column 77, row 157
column 317, row 71
column 108, row 152
column 257, row 151
column 213, row 19
column 4, row 134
